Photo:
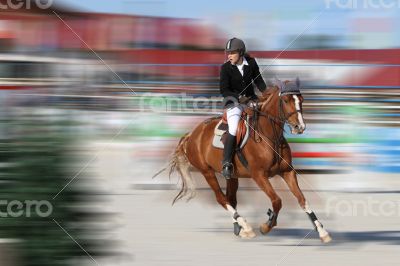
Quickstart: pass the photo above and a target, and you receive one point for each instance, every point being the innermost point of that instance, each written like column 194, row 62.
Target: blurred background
column 94, row 96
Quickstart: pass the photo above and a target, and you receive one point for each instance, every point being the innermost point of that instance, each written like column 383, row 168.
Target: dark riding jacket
column 233, row 84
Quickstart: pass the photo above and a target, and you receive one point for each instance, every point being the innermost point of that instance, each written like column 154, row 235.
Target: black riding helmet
column 235, row 44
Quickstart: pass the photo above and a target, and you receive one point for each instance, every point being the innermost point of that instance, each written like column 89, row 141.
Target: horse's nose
column 299, row 128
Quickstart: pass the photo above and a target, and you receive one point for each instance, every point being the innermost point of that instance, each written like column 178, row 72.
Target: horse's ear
column 297, row 82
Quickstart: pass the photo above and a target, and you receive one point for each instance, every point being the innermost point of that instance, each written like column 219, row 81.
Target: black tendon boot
column 229, row 151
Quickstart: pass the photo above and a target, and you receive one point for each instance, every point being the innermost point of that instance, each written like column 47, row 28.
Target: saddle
column 242, row 134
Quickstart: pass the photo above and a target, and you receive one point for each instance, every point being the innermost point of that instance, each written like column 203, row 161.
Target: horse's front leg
column 276, row 201
column 232, row 186
column 241, row 227
column 291, row 180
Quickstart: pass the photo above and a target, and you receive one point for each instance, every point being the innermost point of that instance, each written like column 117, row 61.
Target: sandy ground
column 360, row 210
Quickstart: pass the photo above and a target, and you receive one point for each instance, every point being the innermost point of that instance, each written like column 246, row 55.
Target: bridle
column 282, row 116
column 275, row 121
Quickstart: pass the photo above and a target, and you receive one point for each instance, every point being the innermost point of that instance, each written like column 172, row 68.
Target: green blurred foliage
column 36, row 162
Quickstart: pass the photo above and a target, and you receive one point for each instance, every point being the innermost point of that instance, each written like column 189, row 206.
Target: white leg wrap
column 247, row 230
column 242, row 222
column 321, row 231
column 231, row 209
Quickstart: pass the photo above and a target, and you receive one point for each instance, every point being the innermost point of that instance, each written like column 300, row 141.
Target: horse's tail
column 180, row 163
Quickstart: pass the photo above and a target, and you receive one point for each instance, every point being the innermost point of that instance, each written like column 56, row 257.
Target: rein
column 282, row 117
column 275, row 122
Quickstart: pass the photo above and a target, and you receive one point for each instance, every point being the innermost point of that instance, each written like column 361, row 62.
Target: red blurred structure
column 163, row 47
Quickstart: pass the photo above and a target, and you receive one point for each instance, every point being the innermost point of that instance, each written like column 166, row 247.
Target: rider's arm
column 224, row 84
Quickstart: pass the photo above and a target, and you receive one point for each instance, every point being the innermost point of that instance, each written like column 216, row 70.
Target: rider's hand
column 244, row 99
column 252, row 104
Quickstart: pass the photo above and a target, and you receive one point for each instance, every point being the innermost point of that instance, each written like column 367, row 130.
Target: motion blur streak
column 60, row 106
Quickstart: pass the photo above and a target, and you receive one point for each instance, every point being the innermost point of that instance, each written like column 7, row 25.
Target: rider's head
column 235, row 48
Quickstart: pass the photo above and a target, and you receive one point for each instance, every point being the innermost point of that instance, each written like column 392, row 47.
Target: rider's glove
column 252, row 104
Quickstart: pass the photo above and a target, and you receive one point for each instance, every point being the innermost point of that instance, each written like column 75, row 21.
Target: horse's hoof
column 236, row 228
column 247, row 234
column 251, row 234
column 326, row 239
column 265, row 229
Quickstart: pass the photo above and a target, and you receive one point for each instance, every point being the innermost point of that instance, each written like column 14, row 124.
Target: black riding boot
column 229, row 151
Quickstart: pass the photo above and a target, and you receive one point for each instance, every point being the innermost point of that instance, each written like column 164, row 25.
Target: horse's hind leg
column 244, row 230
column 276, row 201
column 291, row 180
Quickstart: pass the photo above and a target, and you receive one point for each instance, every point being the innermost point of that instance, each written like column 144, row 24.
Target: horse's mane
column 271, row 90
column 268, row 94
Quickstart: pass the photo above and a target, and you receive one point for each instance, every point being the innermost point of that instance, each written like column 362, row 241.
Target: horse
column 267, row 152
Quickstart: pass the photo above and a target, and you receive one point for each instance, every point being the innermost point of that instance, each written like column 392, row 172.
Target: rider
column 236, row 78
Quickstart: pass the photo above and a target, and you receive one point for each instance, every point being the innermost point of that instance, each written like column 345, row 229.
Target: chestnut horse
column 267, row 152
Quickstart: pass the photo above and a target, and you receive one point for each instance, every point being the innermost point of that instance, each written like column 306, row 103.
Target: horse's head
column 290, row 104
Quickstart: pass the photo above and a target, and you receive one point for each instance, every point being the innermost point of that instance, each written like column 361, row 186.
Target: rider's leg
column 233, row 117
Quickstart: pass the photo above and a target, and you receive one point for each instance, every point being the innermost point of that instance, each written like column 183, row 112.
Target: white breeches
column 233, row 116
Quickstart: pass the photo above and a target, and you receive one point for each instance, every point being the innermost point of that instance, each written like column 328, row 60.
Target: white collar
column 243, row 63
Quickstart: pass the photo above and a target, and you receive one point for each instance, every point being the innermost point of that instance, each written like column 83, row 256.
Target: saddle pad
column 220, row 130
